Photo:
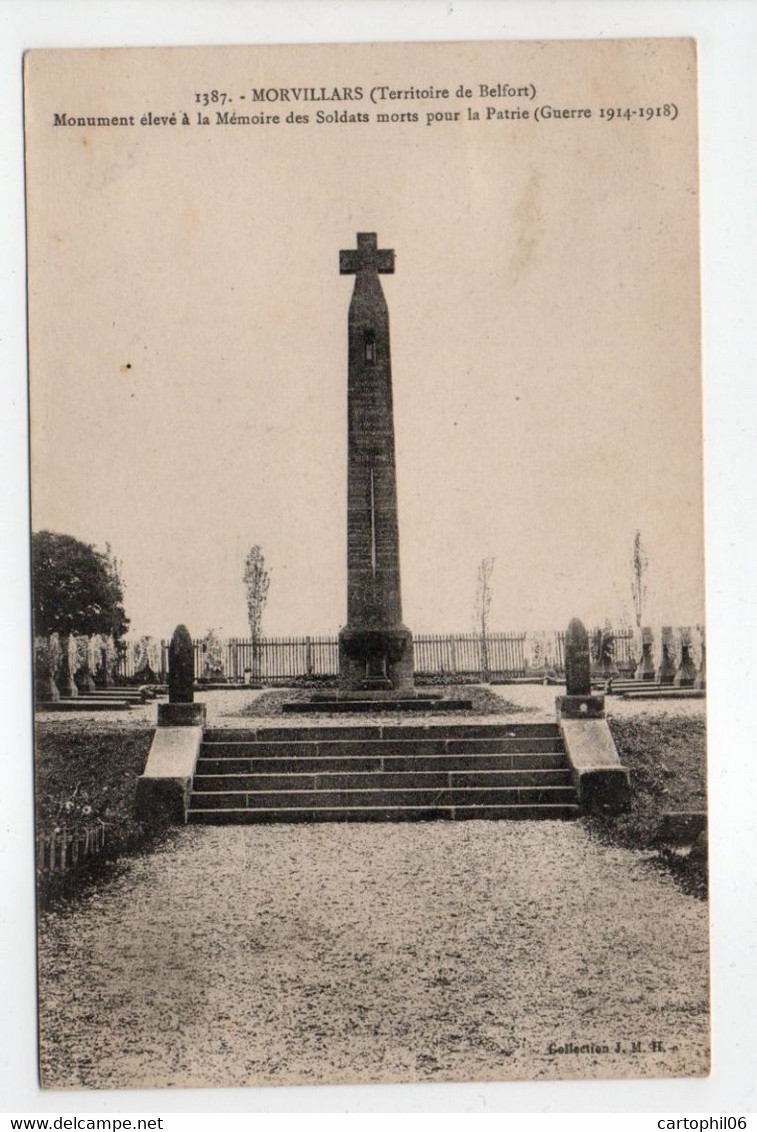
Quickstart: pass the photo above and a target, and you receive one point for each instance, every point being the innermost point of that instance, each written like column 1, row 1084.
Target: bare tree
column 639, row 566
column 483, row 604
column 256, row 581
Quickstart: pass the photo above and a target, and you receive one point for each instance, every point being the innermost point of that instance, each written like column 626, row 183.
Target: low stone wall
column 602, row 782
column 164, row 789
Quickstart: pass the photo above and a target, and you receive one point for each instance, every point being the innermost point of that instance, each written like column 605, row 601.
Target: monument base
column 580, row 707
column 181, row 715
column 368, row 705
column 364, row 695
column 376, row 659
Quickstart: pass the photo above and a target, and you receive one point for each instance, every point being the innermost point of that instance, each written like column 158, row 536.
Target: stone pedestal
column 181, row 715
column 376, row 660
column 580, row 707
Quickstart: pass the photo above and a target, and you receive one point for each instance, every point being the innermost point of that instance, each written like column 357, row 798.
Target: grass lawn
column 85, row 774
column 666, row 757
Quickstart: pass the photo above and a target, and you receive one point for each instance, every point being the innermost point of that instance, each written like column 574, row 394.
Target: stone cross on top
column 367, row 258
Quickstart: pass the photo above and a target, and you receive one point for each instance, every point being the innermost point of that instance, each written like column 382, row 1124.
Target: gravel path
column 328, row 953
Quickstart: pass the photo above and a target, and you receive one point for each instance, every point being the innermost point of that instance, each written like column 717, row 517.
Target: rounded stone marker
column 181, row 669
column 577, row 660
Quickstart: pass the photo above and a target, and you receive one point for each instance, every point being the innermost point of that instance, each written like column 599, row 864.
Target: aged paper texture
column 215, row 237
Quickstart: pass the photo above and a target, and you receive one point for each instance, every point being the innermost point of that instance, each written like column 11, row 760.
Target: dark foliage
column 75, row 588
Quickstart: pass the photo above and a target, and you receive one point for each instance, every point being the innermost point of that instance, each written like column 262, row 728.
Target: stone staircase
column 383, row 773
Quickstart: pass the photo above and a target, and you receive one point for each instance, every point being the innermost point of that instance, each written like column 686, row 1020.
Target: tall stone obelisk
column 375, row 648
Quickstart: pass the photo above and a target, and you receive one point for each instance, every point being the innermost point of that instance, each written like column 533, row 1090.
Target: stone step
column 134, row 697
column 367, row 748
column 666, row 693
column 347, row 707
column 283, row 764
column 366, row 780
column 409, row 797
column 82, row 703
column 619, row 686
column 318, row 734
column 249, row 816
column 217, row 686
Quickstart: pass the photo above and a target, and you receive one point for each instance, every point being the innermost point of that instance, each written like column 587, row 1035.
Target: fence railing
column 277, row 660
column 469, row 654
column 63, row 849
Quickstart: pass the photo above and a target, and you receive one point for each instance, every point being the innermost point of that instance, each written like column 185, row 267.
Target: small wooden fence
column 64, row 849
column 280, row 660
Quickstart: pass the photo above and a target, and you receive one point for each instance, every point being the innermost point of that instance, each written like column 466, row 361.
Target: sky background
column 188, row 334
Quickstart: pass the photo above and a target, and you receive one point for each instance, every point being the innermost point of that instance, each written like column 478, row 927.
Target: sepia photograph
column 367, row 555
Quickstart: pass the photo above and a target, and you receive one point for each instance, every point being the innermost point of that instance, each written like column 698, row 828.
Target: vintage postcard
column 367, row 550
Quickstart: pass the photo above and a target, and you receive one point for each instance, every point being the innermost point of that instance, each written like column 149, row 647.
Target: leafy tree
column 256, row 581
column 639, row 567
column 75, row 588
column 483, row 604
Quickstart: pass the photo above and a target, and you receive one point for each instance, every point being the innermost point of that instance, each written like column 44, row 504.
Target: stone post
column 700, row 680
column 181, row 673
column 45, row 688
column 577, row 660
column 602, row 783
column 84, row 676
column 66, row 682
column 686, row 671
column 667, row 670
column 578, row 702
column 645, row 666
column 106, row 677
column 181, row 710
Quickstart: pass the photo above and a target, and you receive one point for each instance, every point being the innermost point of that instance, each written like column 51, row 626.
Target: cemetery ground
column 338, row 953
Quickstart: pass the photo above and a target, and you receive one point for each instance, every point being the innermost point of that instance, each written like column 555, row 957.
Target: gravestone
column 45, row 688
column 578, row 702
column 700, row 680
column 66, row 682
column 106, row 673
column 667, row 668
column 645, row 669
column 686, row 671
column 577, row 660
column 375, row 647
column 181, row 672
column 181, row 710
